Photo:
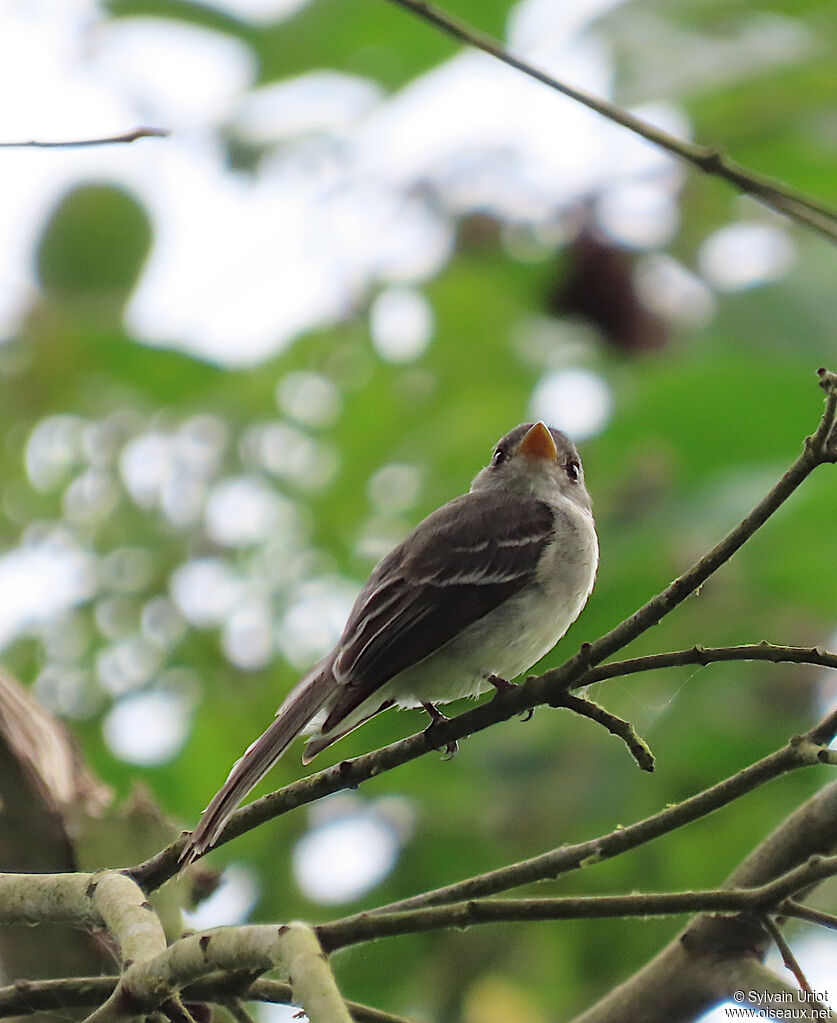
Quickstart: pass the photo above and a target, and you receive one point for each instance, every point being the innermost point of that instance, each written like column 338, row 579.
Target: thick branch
column 311, row 978
column 128, row 916
column 710, row 159
column 48, row 898
column 145, row 986
column 108, row 900
column 154, row 973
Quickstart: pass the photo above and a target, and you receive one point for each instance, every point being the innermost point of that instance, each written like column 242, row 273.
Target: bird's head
column 535, row 460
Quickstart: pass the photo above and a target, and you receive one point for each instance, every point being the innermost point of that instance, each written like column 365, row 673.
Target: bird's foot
column 436, row 716
column 503, row 686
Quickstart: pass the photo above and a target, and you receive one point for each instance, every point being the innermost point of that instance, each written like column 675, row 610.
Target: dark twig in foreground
column 107, row 140
column 710, row 159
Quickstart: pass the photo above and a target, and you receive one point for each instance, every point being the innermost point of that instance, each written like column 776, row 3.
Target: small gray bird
column 476, row 594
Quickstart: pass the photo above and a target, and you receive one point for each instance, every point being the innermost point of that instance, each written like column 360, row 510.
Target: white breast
column 566, row 575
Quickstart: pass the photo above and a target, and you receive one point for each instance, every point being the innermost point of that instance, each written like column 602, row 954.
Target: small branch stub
column 637, row 746
column 826, row 437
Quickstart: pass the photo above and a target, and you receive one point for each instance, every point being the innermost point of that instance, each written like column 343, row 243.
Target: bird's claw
column 451, row 749
column 436, row 716
column 502, row 685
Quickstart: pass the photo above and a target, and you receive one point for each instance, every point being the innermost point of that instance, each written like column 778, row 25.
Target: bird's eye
column 572, row 469
column 499, row 455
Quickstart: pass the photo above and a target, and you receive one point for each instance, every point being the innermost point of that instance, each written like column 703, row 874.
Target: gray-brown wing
column 459, row 564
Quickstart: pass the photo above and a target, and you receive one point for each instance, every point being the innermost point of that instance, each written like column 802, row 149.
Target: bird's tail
column 294, row 714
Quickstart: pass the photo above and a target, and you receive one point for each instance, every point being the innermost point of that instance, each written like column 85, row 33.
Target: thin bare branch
column 804, row 209
column 790, row 907
column 712, row 655
column 107, row 140
column 788, row 958
column 362, row 927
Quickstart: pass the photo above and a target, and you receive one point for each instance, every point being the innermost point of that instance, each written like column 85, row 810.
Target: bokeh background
column 240, row 363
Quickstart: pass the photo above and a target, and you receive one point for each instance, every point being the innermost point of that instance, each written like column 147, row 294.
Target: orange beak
column 538, row 443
